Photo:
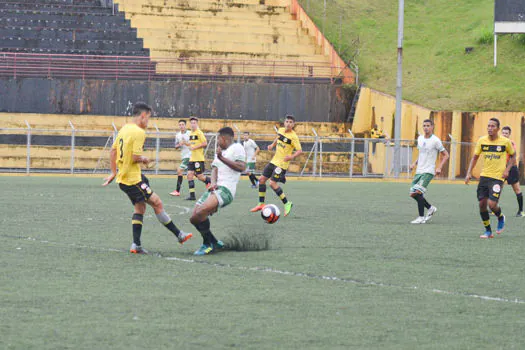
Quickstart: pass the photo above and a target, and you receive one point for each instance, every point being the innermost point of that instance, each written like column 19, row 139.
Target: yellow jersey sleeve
column 138, row 143
column 296, row 143
column 509, row 147
column 477, row 150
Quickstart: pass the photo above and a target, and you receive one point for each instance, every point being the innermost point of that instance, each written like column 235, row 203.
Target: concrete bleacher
column 181, row 33
column 66, row 27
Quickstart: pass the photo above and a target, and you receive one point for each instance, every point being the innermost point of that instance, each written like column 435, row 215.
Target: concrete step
column 63, row 23
column 182, row 30
column 228, row 15
column 142, row 53
column 152, row 21
column 67, row 33
column 197, row 3
column 230, row 47
column 212, row 7
column 60, row 15
column 53, row 7
column 68, row 2
column 103, row 45
column 214, row 55
column 226, row 34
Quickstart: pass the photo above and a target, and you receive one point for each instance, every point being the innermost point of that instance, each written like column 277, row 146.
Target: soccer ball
column 270, row 213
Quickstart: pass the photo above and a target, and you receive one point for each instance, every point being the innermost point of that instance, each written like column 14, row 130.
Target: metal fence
column 68, row 149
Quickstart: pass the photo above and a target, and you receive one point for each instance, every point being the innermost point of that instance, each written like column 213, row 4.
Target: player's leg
column 156, row 203
column 180, row 177
column 280, row 193
column 514, row 181
column 206, row 206
column 191, row 183
column 266, row 174
column 136, row 223
column 485, row 218
column 416, row 192
column 262, row 194
column 494, row 196
column 205, row 179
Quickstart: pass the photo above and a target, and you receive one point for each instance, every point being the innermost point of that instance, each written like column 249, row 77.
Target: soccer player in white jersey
column 251, row 149
column 429, row 146
column 182, row 142
column 226, row 171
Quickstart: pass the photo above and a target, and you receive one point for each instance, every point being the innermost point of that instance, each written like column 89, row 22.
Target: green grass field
column 345, row 270
column 436, row 71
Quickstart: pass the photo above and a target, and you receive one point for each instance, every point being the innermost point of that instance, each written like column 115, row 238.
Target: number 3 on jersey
column 121, row 144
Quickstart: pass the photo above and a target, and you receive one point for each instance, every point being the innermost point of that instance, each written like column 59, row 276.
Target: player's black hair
column 289, row 116
column 495, row 120
column 194, row 118
column 226, row 131
column 428, row 121
column 140, row 107
column 182, row 121
column 506, row 127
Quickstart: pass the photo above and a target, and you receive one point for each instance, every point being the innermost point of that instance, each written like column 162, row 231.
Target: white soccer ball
column 270, row 213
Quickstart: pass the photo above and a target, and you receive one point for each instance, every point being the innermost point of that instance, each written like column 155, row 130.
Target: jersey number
column 121, row 143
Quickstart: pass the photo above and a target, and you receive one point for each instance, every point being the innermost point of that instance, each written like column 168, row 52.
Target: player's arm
column 113, row 166
column 178, row 143
column 237, row 165
column 272, row 145
column 298, row 150
column 444, row 157
column 510, row 164
column 213, row 178
column 201, row 145
column 293, row 155
column 471, row 166
column 257, row 149
column 138, row 146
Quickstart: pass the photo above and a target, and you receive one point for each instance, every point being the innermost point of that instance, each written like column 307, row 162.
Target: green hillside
column 437, row 73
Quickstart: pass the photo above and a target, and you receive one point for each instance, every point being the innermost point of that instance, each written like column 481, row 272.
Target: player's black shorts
column 514, row 175
column 197, row 167
column 272, row 171
column 489, row 188
column 140, row 192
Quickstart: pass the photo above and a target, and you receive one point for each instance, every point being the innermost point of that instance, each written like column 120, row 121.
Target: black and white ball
column 270, row 213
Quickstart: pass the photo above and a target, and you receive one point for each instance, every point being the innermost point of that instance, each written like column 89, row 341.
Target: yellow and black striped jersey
column 129, row 142
column 494, row 154
column 287, row 143
column 196, row 138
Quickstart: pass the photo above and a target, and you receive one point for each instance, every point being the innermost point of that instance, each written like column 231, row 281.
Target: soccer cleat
column 520, row 214
column 419, row 220
column 257, row 208
column 288, row 208
column 191, row 198
column 254, row 186
column 431, row 211
column 208, row 186
column 184, row 236
column 175, row 193
column 136, row 249
column 487, row 234
column 203, row 250
column 219, row 245
column 501, row 224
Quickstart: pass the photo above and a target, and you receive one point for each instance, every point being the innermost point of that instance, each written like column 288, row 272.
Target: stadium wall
column 464, row 127
column 236, row 100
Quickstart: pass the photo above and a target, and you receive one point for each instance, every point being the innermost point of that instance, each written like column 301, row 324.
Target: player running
column 182, row 142
column 288, row 147
column 429, row 146
column 495, row 169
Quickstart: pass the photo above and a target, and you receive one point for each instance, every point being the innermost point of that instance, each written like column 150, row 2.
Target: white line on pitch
column 287, row 273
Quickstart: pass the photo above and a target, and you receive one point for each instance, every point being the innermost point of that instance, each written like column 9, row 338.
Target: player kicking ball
column 493, row 148
column 225, row 174
column 429, row 146
column 126, row 155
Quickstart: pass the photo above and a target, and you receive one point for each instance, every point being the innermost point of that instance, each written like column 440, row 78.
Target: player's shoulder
column 281, row 130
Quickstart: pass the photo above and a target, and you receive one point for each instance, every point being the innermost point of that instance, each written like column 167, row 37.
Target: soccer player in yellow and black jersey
column 196, row 165
column 126, row 156
column 494, row 150
column 287, row 148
